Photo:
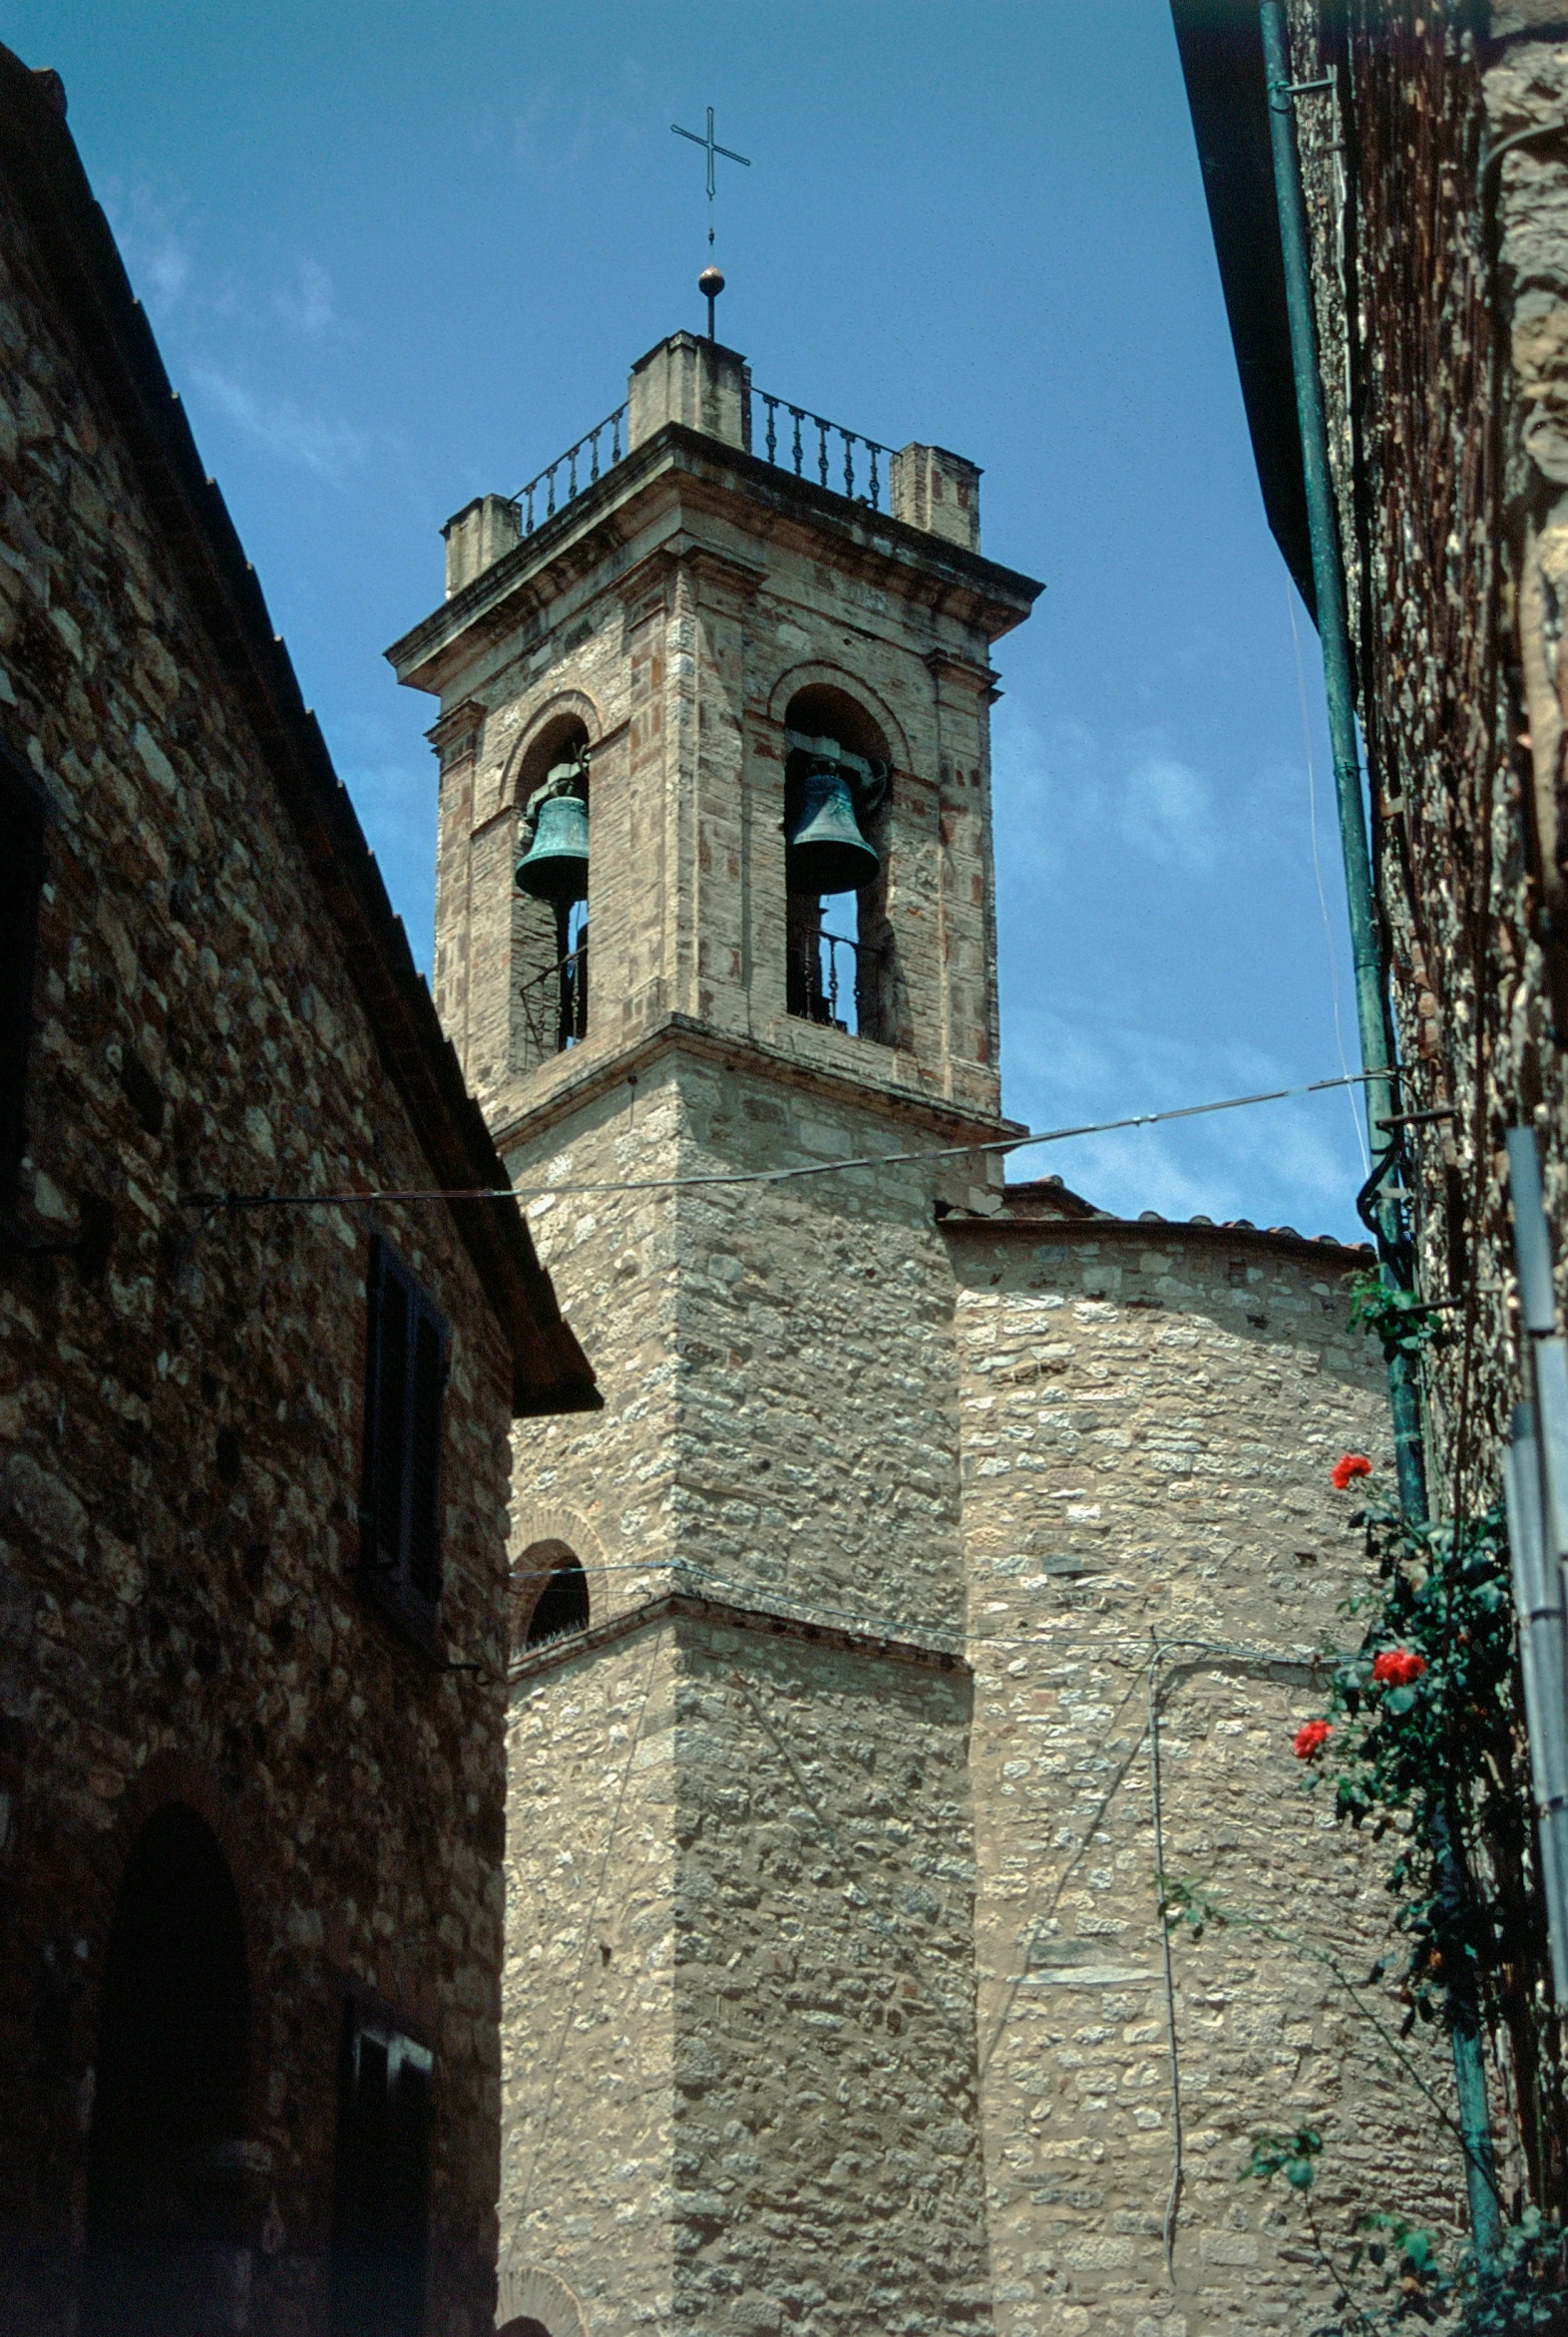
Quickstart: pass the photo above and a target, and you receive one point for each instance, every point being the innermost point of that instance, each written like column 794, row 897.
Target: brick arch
column 526, row 2292
column 536, row 1522
column 812, row 672
column 571, row 706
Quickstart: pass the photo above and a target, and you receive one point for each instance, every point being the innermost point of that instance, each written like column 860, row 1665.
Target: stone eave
column 673, row 1032
column 611, row 516
column 772, row 1622
column 43, row 176
column 1321, row 1249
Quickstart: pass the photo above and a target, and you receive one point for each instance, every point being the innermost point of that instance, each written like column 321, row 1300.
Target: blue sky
column 403, row 252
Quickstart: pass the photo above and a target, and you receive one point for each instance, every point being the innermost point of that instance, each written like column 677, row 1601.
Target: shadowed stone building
column 253, row 1463
column 1433, row 148
column 922, row 1512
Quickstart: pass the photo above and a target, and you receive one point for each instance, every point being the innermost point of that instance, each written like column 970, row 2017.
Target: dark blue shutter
column 405, row 1392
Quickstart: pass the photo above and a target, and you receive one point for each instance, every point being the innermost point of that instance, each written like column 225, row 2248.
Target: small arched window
column 836, row 777
column 550, row 1595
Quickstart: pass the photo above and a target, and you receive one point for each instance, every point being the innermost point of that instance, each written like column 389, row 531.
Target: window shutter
column 407, row 1345
column 426, row 1405
column 21, row 883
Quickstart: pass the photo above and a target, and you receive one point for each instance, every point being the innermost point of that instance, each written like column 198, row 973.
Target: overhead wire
column 774, row 1176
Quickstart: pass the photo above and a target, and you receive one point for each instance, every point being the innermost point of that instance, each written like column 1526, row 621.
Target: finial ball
column 711, row 283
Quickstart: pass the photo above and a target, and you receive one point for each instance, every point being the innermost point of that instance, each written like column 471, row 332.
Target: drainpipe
column 1334, row 636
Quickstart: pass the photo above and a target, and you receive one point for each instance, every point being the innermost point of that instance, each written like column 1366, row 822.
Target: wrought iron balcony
column 793, row 451
column 543, row 488
column 845, row 462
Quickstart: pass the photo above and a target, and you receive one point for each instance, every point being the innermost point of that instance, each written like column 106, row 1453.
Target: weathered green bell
column 555, row 865
column 824, row 850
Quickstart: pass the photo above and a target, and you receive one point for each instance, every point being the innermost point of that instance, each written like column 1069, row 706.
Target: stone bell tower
column 754, row 651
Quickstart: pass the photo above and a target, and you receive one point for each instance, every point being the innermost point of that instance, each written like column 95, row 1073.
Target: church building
column 943, row 1581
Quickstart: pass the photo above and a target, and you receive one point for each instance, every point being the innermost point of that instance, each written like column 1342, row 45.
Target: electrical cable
column 1178, row 2170
column 776, row 1176
column 805, row 1610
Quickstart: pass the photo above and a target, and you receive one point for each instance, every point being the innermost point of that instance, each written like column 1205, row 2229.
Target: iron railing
column 554, row 1003
column 545, row 484
column 792, row 450
column 818, row 992
column 863, row 478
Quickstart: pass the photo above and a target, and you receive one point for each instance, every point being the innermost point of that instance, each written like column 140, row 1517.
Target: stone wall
column 587, row 1994
column 740, row 1987
column 677, row 609
column 1442, row 314
column 1437, row 188
column 181, row 1415
column 1150, row 1414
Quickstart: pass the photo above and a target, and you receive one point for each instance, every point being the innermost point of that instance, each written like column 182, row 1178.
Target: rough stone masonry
column 836, row 1992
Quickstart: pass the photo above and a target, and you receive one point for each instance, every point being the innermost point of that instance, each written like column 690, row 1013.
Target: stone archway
column 533, row 2303
column 165, row 2163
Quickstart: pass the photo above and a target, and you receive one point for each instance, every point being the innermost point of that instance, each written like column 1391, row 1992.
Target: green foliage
column 1411, row 1754
column 1401, row 1321
column 1293, row 2155
column 1529, row 2290
column 1186, row 1905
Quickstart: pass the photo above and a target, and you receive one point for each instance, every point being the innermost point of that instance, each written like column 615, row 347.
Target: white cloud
column 292, row 431
column 1167, row 811
column 308, row 303
column 1073, row 1059
column 158, row 260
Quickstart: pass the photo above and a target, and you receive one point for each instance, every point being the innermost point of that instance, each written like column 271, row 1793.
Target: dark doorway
column 382, row 2203
column 163, row 2196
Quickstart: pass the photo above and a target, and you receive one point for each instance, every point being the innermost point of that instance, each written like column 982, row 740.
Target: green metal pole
column 1377, row 1056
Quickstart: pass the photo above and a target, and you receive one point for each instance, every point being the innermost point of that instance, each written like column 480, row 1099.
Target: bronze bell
column 824, row 850
column 555, row 865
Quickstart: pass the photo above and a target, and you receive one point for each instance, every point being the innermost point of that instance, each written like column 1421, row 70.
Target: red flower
column 1311, row 1739
column 1348, row 1466
column 1397, row 1667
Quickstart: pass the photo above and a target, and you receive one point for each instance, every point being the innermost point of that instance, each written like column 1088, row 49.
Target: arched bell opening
column 837, row 777
column 550, row 1595
column 550, row 900
column 166, row 2204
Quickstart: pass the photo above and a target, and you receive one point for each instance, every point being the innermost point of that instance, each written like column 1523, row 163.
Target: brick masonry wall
column 1149, row 1418
column 182, row 1428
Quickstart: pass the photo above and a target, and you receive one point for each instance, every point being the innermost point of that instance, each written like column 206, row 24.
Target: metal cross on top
column 711, row 151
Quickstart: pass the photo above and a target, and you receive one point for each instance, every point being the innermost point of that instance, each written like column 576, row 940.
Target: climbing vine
column 1420, row 1739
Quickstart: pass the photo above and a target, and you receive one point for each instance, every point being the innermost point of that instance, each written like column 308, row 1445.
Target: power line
column 777, row 1176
